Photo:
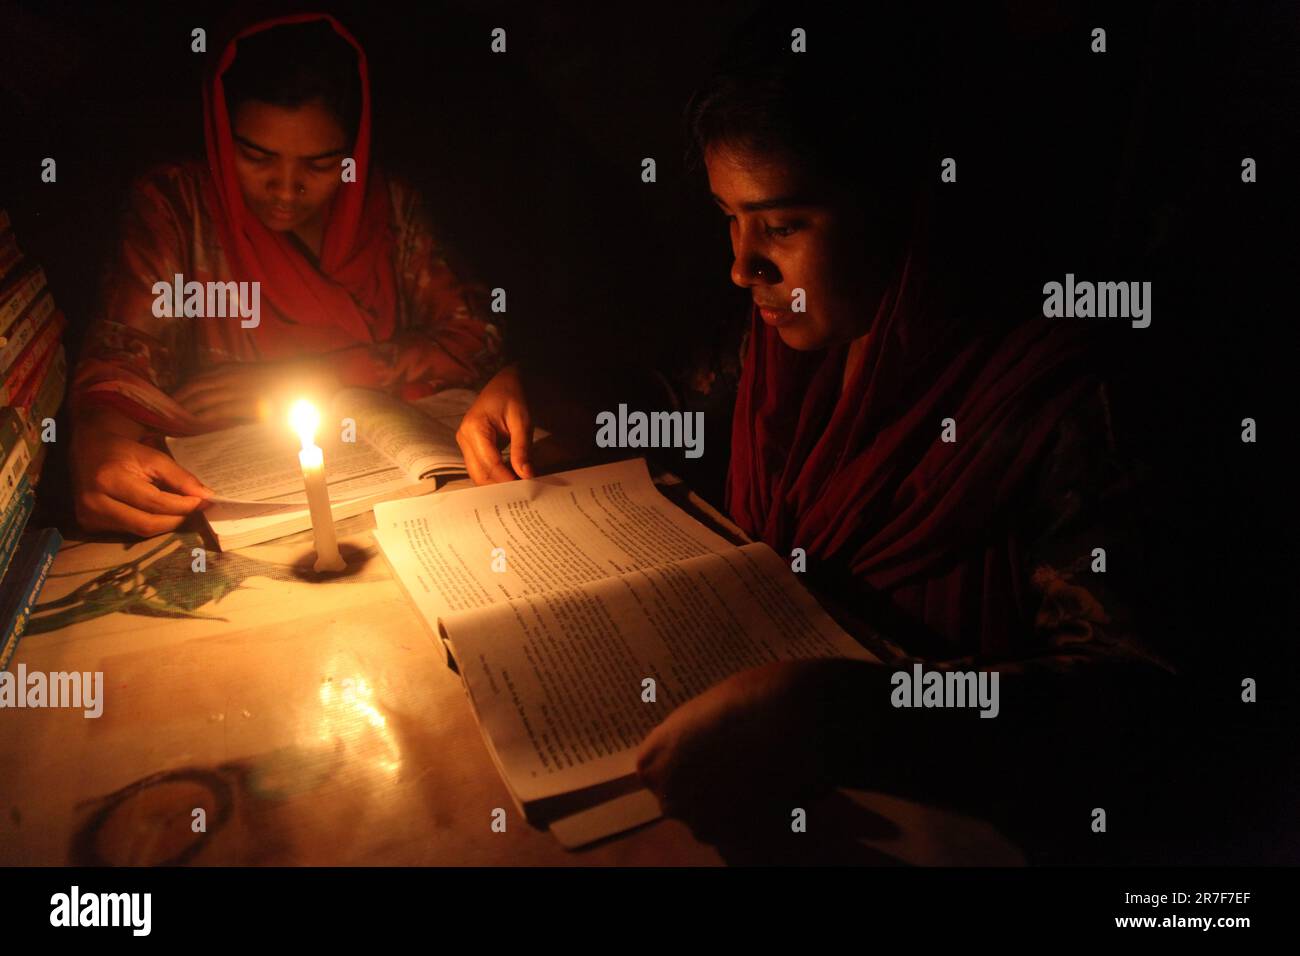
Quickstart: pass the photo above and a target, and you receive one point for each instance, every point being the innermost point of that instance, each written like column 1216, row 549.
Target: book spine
column 36, row 353
column 15, row 467
column 25, row 329
column 15, row 521
column 7, row 513
column 27, row 393
column 37, row 464
column 45, row 403
column 46, row 406
column 34, row 568
column 24, row 294
column 12, row 428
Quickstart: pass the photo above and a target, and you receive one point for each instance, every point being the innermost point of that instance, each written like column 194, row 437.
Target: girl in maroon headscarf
column 941, row 467
column 354, row 286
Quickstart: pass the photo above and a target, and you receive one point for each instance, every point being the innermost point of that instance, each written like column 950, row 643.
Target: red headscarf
column 863, row 482
column 351, row 297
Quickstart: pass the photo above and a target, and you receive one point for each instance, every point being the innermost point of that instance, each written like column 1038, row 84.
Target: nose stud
column 302, row 190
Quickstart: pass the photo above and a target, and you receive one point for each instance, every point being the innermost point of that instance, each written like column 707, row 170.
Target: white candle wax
column 328, row 558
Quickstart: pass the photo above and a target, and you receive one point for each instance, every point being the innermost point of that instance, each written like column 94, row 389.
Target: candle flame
column 305, row 419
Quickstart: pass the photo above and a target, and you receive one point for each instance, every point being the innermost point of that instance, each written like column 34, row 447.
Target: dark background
column 1124, row 166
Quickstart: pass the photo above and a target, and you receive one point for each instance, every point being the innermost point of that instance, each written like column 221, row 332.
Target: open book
column 400, row 449
column 558, row 598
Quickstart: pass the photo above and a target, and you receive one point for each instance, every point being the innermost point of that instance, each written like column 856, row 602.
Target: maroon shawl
column 862, row 481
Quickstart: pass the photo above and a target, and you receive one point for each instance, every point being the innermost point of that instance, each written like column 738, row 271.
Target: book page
column 254, row 468
column 418, row 437
column 258, row 463
column 553, row 532
column 447, row 407
column 237, row 525
column 556, row 677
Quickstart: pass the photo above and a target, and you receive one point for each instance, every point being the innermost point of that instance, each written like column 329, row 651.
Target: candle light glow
column 304, row 419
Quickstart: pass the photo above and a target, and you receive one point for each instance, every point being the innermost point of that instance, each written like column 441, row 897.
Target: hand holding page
column 400, row 450
column 256, row 464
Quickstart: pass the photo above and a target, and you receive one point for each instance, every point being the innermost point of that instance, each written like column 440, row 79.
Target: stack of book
column 33, row 377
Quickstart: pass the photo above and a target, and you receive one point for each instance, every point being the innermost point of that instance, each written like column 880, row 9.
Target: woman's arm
column 130, row 358
column 784, row 733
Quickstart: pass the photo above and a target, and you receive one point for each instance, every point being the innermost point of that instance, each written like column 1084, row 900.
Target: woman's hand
column 499, row 412
column 122, row 485
column 249, row 391
column 759, row 734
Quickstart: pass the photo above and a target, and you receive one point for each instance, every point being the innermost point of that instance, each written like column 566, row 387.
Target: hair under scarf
column 862, row 481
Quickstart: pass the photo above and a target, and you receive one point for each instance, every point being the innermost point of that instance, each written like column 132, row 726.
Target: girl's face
column 788, row 233
column 288, row 160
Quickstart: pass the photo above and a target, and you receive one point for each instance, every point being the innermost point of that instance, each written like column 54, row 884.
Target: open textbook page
column 559, row 596
column 556, row 678
column 396, row 444
column 401, row 450
column 555, row 532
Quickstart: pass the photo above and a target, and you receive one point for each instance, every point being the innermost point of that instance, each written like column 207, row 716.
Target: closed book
column 27, row 393
column 12, row 428
column 19, row 290
column 25, row 329
column 37, row 464
column 49, row 396
column 22, row 586
column 12, row 470
column 15, row 520
column 36, row 353
column 46, row 406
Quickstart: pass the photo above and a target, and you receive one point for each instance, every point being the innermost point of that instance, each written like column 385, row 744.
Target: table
column 313, row 722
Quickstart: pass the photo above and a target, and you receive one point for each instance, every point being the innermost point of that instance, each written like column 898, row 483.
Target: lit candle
column 304, row 419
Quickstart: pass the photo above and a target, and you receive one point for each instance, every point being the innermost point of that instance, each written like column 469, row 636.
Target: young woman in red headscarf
column 354, row 285
column 948, row 467
column 944, row 465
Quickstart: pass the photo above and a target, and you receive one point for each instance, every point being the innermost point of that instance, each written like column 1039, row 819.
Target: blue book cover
column 23, row 585
column 15, row 520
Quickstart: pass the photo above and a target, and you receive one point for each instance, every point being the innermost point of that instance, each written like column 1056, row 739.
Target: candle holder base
column 355, row 560
column 330, row 564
